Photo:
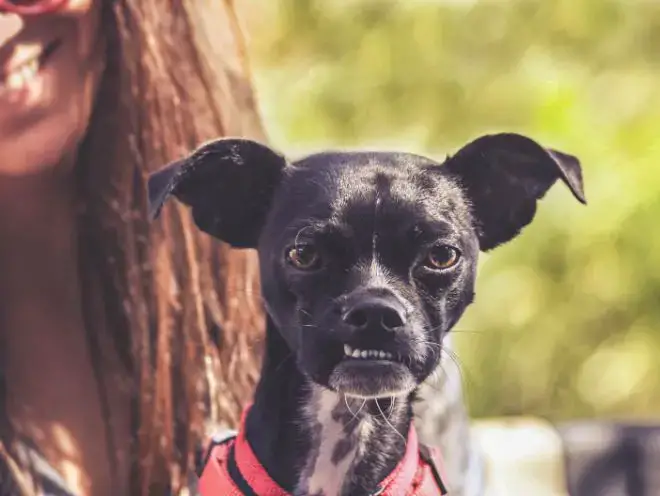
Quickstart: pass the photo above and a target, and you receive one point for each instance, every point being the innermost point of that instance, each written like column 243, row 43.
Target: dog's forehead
column 346, row 185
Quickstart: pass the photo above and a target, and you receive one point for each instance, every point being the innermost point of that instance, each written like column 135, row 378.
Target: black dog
column 367, row 261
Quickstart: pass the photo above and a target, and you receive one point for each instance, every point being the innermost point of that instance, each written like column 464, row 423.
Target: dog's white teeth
column 377, row 354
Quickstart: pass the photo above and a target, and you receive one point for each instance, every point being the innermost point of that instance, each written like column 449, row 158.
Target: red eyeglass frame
column 31, row 7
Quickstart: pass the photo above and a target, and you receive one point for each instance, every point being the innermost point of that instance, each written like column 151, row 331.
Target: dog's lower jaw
column 384, row 380
column 313, row 441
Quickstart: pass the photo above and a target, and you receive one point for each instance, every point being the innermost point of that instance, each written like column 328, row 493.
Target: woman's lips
column 23, row 73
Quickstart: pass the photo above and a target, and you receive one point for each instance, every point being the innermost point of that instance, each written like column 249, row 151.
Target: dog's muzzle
column 374, row 361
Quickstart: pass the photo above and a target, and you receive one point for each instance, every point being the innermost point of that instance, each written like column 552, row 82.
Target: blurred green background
column 566, row 322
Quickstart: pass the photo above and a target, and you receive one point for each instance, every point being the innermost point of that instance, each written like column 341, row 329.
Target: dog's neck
column 313, row 441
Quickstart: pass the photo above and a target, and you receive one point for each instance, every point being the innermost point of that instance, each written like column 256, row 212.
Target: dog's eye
column 303, row 257
column 442, row 257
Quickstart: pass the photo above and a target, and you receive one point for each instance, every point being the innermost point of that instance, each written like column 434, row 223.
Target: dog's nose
column 376, row 313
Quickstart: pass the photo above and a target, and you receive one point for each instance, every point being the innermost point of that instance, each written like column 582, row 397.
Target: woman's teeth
column 22, row 75
column 373, row 354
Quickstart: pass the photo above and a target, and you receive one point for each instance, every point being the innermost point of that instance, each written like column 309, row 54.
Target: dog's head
column 367, row 259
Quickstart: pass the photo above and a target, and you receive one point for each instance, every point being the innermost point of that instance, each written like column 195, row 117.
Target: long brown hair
column 182, row 309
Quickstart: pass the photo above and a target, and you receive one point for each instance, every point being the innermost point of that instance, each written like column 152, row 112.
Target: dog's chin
column 371, row 379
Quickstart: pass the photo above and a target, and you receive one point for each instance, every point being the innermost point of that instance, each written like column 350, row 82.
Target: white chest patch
column 328, row 467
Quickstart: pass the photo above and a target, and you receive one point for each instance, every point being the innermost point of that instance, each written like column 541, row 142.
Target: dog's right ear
column 504, row 175
column 228, row 183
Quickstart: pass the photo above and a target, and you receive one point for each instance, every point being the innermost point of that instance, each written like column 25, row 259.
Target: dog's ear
column 228, row 183
column 504, row 175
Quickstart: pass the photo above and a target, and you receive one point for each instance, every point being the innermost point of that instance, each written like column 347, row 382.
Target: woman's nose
column 10, row 26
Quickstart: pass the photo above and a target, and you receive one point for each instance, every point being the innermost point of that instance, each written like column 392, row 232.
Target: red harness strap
column 419, row 473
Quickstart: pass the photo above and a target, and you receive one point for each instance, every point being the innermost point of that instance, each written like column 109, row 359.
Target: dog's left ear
column 228, row 183
column 504, row 175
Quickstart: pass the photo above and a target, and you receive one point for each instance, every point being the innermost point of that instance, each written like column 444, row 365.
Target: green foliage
column 567, row 317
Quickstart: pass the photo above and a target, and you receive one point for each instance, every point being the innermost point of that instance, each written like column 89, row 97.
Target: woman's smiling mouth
column 22, row 74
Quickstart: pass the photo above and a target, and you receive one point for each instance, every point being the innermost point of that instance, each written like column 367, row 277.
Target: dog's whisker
column 348, row 407
column 356, row 418
column 441, row 374
column 387, row 420
column 453, row 357
column 279, row 366
column 392, row 402
column 435, row 348
column 364, row 402
column 462, row 330
column 465, row 380
column 429, row 343
column 305, row 312
column 354, row 414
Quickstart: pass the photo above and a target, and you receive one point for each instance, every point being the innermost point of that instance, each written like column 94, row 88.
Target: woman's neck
column 38, row 253
column 52, row 393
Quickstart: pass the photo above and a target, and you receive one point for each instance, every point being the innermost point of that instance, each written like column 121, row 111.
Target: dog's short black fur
column 367, row 260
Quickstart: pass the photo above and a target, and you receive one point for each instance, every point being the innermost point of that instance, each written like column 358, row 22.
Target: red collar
column 419, row 473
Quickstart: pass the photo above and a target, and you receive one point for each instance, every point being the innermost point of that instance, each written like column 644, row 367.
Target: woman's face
column 50, row 67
